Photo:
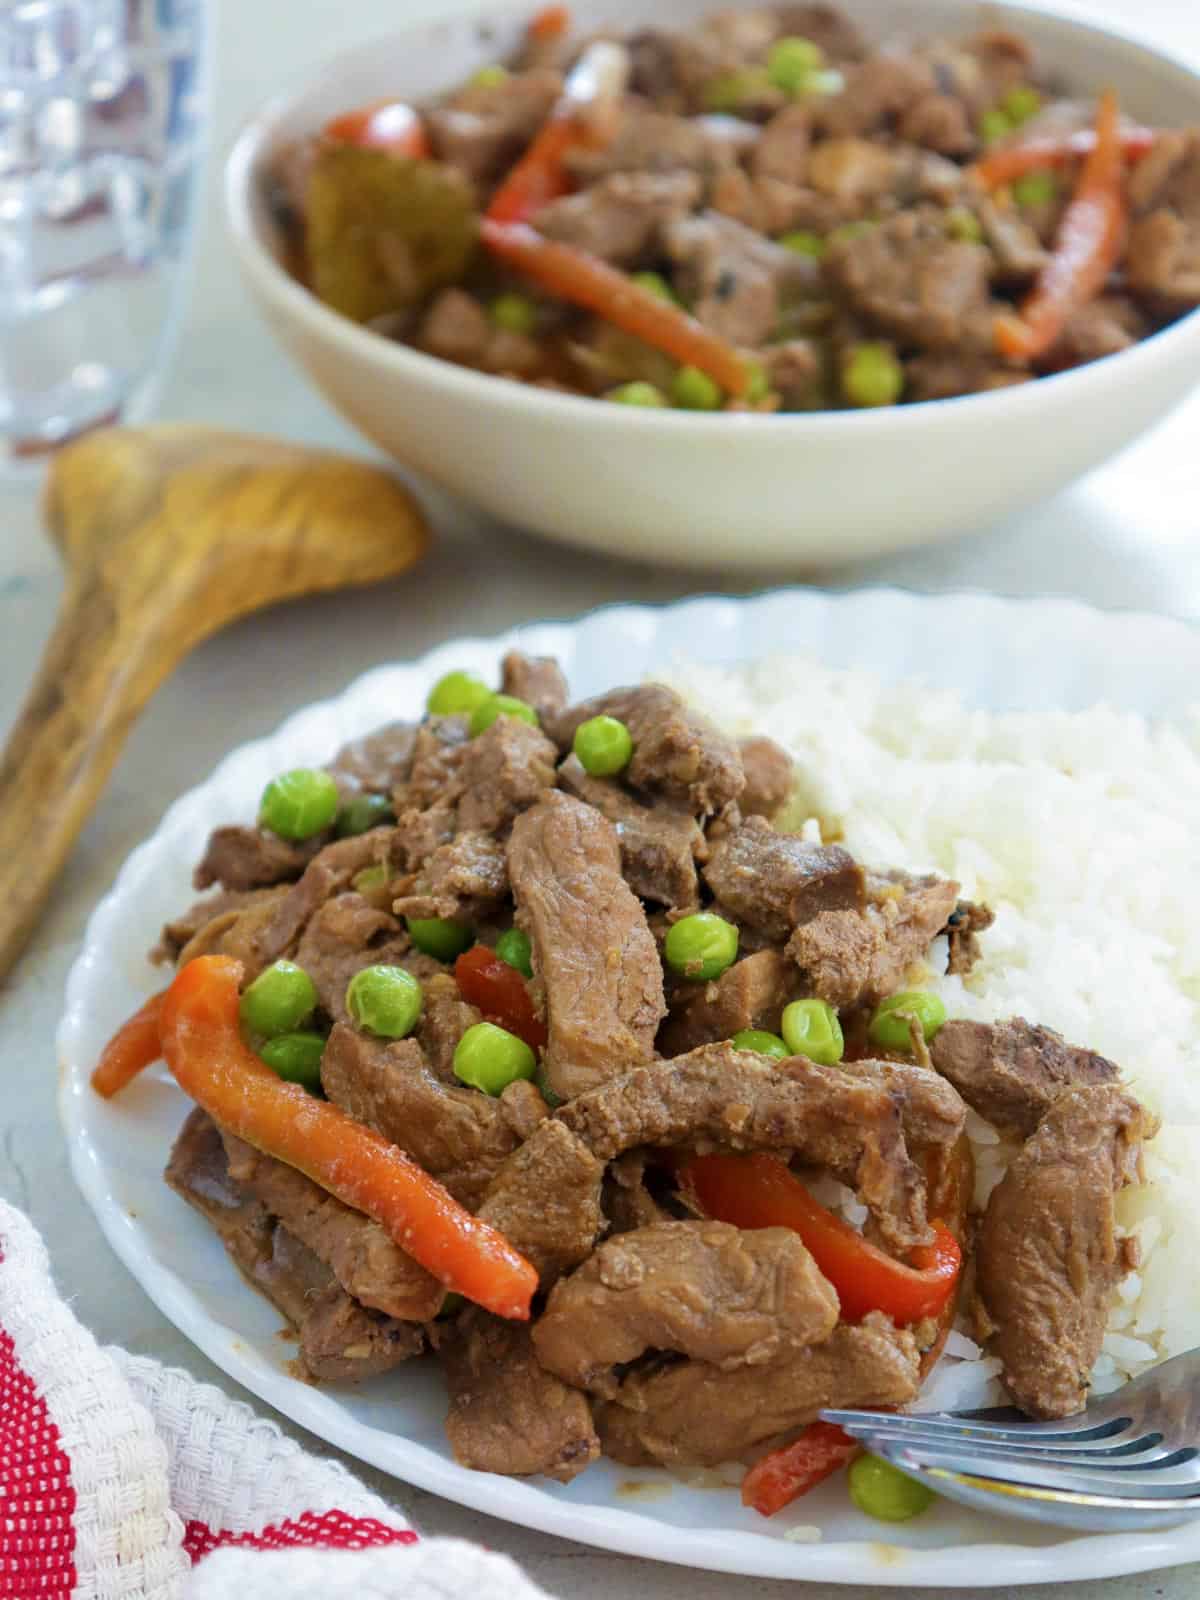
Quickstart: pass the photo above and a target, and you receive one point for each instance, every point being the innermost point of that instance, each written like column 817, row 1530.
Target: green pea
column 278, row 1001
column 296, row 1057
column 882, row 1491
column 757, row 388
column 439, row 937
column 963, row 225
column 811, row 1028
column 732, row 90
column 297, row 804
column 385, row 1000
column 701, row 946
column 889, row 1025
column 369, row 879
column 514, row 313
column 490, row 1058
column 693, row 390
column 804, row 243
column 490, row 77
column 792, row 63
column 846, row 231
column 603, row 745
column 362, row 813
column 514, row 950
column 1020, row 104
column 872, row 376
column 1036, row 189
column 542, row 1079
column 501, row 705
column 994, row 124
column 654, row 283
column 636, row 394
column 761, row 1042
column 456, row 693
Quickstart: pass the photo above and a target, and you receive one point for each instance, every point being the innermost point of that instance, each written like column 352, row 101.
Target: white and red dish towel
column 121, row 1479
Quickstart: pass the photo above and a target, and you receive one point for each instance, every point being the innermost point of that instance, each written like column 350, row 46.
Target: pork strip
column 200, row 918
column 377, row 762
column 457, row 1134
column 445, row 1017
column 774, row 881
column 469, row 785
column 595, row 962
column 720, row 1095
column 1012, row 1072
column 346, row 934
column 857, row 957
column 507, row 1414
column 676, row 752
column 931, row 1112
column 538, row 680
column 239, row 858
column 545, row 1199
column 694, row 1414
column 750, row 994
column 770, row 776
column 966, row 922
column 362, row 1256
column 330, row 872
column 660, row 843
column 339, row 1338
column 464, row 879
column 1048, row 1257
column 704, row 1289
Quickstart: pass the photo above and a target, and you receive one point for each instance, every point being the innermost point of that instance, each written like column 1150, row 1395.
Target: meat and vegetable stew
column 766, row 212
column 521, row 1039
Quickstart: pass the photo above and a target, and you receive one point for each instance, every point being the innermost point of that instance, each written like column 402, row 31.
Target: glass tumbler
column 101, row 115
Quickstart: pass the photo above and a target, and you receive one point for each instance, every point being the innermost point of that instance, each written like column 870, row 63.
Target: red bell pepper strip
column 211, row 1062
column 1013, row 161
column 390, row 125
column 950, row 1184
column 783, row 1475
column 759, row 1191
column 583, row 118
column 584, row 280
column 500, row 992
column 539, row 177
column 136, row 1043
column 550, row 23
column 1085, row 250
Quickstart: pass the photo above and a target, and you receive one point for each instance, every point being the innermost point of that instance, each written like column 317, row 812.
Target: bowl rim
column 262, row 266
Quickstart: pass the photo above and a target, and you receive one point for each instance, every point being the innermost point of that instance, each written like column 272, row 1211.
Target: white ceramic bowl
column 723, row 490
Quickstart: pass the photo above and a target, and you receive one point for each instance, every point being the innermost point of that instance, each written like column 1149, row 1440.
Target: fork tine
column 989, row 1455
column 946, row 1425
column 1017, row 1470
column 1138, row 1452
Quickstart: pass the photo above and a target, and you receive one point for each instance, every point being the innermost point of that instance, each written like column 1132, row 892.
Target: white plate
column 1002, row 654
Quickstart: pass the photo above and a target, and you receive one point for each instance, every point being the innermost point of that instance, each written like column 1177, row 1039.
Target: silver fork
column 1131, row 1460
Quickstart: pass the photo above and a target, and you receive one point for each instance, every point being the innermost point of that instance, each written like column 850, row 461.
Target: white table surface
column 1127, row 537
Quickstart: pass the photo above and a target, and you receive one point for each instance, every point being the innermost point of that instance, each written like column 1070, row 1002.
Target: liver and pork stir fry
column 560, row 956
column 763, row 212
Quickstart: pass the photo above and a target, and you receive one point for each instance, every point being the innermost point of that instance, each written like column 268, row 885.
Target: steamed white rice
column 1077, row 830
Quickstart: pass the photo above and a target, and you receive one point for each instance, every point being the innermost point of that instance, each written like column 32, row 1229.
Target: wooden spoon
column 168, row 533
